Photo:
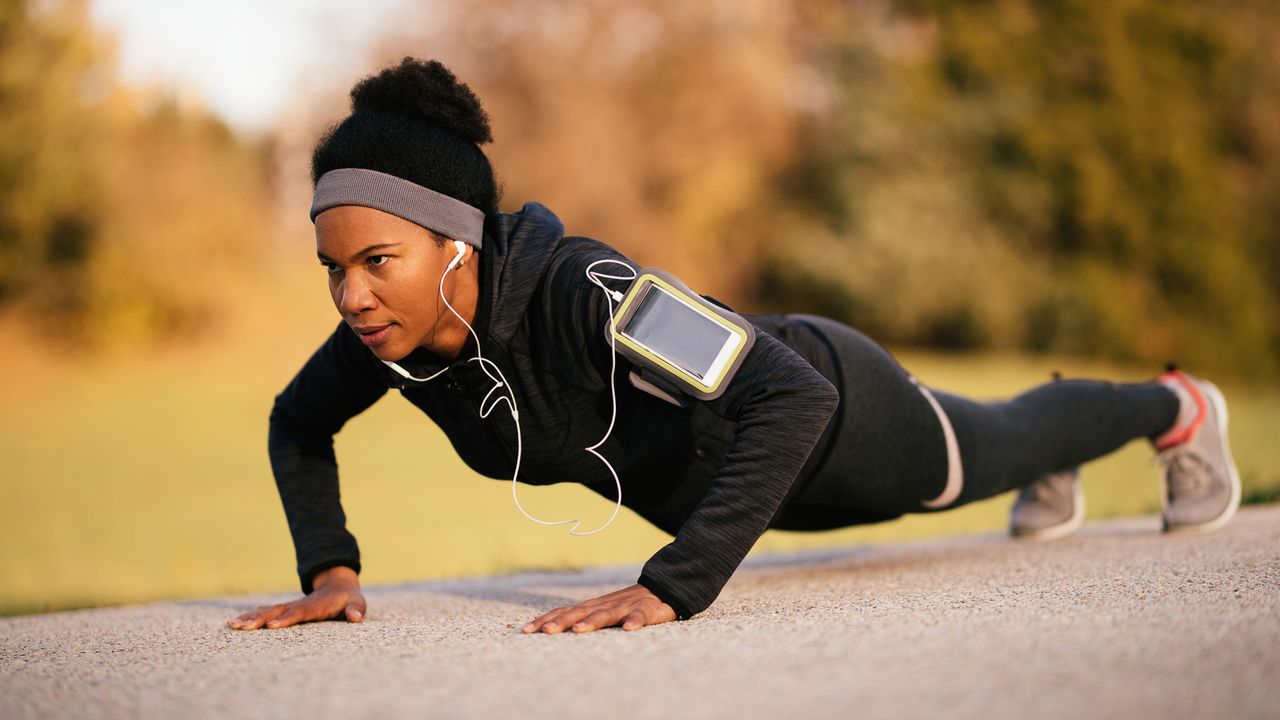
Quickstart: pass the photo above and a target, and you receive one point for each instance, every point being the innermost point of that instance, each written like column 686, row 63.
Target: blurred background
column 995, row 189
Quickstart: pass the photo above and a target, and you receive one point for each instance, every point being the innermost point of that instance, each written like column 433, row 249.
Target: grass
column 129, row 480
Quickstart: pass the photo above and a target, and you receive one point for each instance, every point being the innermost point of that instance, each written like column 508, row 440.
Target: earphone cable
column 501, row 382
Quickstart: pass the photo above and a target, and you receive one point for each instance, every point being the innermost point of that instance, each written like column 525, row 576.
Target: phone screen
column 682, row 335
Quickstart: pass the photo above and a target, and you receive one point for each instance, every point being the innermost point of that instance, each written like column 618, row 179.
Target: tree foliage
column 122, row 218
column 1078, row 175
column 1088, row 176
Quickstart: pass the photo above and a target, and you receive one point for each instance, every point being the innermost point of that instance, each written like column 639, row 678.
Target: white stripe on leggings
column 955, row 472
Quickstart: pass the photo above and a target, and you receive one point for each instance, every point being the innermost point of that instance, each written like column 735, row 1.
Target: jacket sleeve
column 340, row 380
column 781, row 405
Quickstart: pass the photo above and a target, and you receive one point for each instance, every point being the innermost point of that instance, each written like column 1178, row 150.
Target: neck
column 462, row 288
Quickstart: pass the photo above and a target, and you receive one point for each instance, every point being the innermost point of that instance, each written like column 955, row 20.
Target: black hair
column 415, row 121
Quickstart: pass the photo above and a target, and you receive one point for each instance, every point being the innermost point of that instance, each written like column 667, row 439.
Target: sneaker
column 1200, row 486
column 1049, row 508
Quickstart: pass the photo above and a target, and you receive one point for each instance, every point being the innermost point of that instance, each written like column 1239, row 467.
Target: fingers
column 635, row 620
column 355, row 611
column 246, row 616
column 632, row 607
column 602, row 618
column 319, row 606
column 557, row 620
column 255, row 619
column 583, row 618
column 544, row 619
column 292, row 616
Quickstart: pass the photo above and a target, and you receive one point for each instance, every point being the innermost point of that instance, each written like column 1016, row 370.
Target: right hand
column 336, row 593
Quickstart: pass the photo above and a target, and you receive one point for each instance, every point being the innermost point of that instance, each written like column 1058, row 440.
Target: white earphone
column 457, row 259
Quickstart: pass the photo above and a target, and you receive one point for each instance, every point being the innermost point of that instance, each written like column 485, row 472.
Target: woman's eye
column 375, row 264
column 330, row 267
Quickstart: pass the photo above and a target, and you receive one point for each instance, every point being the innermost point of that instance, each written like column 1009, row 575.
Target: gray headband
column 426, row 207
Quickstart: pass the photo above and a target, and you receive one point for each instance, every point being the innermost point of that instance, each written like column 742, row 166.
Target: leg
column 888, row 453
column 883, row 451
column 1053, row 427
column 1200, row 483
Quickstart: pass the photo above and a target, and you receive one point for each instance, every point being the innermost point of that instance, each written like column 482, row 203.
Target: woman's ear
column 459, row 257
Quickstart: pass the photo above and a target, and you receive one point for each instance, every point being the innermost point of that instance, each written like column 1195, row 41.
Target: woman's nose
column 356, row 296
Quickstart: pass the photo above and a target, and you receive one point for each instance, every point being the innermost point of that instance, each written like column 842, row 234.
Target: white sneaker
column 1200, row 485
column 1049, row 508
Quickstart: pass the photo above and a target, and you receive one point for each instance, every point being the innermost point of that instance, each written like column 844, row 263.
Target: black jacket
column 714, row 475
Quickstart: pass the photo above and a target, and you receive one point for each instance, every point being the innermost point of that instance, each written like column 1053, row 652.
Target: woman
column 461, row 308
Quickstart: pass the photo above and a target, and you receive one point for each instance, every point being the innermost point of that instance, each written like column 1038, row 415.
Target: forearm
column 339, row 381
column 773, row 440
column 306, row 475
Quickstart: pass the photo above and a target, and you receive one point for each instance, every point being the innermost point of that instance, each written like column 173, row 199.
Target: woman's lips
column 376, row 338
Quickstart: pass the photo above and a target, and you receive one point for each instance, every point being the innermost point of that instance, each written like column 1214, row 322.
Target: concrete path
column 1118, row 621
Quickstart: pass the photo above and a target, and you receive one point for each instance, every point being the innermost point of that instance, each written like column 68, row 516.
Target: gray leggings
column 887, row 454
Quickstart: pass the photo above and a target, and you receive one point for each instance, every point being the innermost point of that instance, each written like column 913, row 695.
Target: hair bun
column 424, row 89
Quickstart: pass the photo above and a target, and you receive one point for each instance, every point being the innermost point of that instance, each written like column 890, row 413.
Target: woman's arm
column 780, row 405
column 340, row 380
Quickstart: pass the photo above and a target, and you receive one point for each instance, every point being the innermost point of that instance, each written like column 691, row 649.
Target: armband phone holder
column 680, row 343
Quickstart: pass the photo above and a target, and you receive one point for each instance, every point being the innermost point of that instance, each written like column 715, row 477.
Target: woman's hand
column 336, row 592
column 633, row 607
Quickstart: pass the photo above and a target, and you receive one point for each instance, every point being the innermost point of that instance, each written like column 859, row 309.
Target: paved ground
column 1118, row 621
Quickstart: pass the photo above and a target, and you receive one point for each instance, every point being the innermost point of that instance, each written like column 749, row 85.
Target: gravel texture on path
column 1118, row 621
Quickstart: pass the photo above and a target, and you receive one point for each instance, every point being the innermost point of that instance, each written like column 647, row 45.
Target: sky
column 244, row 58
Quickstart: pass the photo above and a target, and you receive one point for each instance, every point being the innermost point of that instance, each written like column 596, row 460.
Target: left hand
column 633, row 607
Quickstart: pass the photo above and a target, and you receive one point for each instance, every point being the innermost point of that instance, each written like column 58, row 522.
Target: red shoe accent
column 1176, row 435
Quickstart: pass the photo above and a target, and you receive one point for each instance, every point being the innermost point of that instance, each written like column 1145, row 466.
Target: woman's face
column 384, row 272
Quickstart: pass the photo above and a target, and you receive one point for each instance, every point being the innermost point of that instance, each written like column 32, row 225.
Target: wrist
column 338, row 574
column 662, row 593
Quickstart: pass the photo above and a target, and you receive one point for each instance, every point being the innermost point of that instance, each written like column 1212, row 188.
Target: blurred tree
column 47, row 81
column 122, row 219
column 1078, row 175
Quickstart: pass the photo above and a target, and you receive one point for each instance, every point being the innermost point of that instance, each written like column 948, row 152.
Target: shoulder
column 570, row 313
column 575, row 255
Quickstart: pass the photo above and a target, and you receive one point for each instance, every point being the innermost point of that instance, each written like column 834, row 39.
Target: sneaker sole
column 1220, row 410
column 1062, row 529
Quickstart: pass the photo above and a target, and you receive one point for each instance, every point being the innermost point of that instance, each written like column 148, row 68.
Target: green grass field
column 128, row 480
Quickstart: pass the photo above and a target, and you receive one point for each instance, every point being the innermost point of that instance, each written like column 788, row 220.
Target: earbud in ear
column 457, row 259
